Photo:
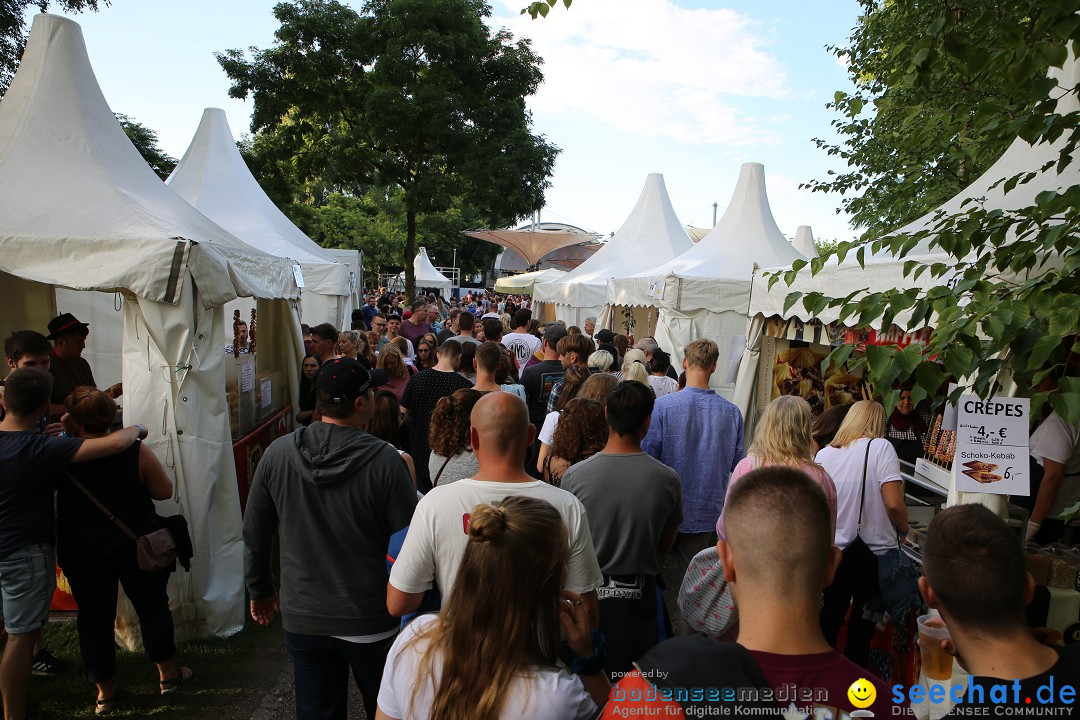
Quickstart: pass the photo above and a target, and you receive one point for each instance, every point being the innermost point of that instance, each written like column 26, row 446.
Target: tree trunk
column 410, row 254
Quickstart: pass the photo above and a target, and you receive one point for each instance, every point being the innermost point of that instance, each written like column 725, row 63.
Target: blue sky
column 688, row 89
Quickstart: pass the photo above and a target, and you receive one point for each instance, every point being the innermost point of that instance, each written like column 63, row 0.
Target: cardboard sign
column 992, row 445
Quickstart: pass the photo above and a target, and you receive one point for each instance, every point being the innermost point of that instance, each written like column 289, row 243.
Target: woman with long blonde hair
column 871, row 513
column 783, row 437
column 391, row 360
column 635, row 367
column 493, row 655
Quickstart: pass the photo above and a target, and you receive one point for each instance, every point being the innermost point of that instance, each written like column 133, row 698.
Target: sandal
column 105, row 706
column 183, row 675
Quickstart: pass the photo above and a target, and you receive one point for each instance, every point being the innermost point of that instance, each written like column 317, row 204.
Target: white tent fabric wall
column 427, row 276
column 704, row 292
column 354, row 260
column 213, row 177
column 650, row 235
column 104, row 312
column 81, row 209
column 804, row 241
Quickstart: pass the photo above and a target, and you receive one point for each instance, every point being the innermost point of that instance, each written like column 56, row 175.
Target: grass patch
column 231, row 677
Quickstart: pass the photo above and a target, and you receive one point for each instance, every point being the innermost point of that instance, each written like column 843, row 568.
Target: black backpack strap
column 696, row 671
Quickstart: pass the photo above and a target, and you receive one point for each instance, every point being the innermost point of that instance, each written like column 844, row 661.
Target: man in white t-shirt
column 1055, row 445
column 438, row 535
column 521, row 342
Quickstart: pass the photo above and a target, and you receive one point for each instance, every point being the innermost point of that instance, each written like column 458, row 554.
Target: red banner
column 248, row 450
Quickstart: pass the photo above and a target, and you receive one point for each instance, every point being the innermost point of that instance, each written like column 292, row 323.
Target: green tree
column 145, row 141
column 1016, row 274
column 413, row 94
column 13, row 30
column 931, row 109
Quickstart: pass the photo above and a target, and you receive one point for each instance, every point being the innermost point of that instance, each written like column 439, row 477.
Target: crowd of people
column 473, row 515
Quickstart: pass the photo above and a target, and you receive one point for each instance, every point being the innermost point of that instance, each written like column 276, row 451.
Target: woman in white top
column 574, row 380
column 492, row 655
column 859, row 447
column 658, row 377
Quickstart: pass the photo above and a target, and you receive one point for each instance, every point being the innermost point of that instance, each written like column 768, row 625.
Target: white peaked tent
column 704, row 292
column 427, row 277
column 650, row 235
column 883, row 270
column 804, row 242
column 80, row 208
column 214, row 179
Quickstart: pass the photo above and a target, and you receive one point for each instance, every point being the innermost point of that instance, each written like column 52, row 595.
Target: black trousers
column 856, row 580
column 94, row 588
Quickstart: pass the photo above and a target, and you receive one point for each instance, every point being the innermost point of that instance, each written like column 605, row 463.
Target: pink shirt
column 816, row 472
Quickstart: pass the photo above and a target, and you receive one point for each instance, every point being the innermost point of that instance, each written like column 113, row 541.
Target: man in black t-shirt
column 539, row 380
column 974, row 575
column 422, row 392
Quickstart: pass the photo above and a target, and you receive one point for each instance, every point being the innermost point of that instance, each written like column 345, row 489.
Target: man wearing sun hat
column 334, row 495
column 68, row 367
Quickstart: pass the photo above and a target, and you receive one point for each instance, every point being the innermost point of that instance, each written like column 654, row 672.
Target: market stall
column 80, row 209
column 214, row 179
column 704, row 291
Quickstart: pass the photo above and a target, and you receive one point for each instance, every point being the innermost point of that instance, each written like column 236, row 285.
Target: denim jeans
column 321, row 674
column 27, row 581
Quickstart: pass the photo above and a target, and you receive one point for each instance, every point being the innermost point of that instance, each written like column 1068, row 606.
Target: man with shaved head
column 777, row 558
column 439, row 532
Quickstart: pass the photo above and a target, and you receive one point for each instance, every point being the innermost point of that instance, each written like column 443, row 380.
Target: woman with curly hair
column 452, row 457
column 582, row 432
column 574, row 379
column 352, row 344
column 391, row 360
column 491, row 655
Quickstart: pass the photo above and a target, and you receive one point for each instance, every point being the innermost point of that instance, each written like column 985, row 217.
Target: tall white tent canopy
column 213, row 177
column 427, row 276
column 81, row 209
column 704, row 291
column 885, row 271
column 651, row 234
column 804, row 242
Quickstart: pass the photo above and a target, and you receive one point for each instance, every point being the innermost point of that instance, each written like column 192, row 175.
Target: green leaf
column 790, row 300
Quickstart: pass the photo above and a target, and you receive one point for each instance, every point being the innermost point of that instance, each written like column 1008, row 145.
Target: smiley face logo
column 862, row 693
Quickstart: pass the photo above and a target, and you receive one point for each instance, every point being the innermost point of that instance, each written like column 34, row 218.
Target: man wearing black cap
column 334, row 495
column 68, row 367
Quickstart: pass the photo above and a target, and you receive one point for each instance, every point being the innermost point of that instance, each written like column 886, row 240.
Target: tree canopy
column 415, row 96
column 1012, row 309
column 145, row 141
column 929, row 112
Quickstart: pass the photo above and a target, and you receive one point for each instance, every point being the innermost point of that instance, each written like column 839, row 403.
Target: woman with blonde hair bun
column 493, row 655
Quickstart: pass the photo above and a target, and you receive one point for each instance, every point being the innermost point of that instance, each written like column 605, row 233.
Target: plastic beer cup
column 936, row 663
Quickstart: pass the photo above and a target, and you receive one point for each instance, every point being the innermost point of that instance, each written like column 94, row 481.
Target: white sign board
column 247, row 377
column 266, row 392
column 992, row 445
column 298, row 275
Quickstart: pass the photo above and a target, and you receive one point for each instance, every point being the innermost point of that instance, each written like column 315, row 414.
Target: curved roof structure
column 80, row 208
column 535, row 242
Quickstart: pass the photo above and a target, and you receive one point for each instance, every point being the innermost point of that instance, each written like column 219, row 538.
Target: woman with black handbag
column 870, row 512
column 96, row 554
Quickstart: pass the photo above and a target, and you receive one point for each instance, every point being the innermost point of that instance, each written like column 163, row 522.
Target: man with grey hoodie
column 334, row 494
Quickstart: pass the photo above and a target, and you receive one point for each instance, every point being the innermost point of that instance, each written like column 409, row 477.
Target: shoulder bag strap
column 108, row 513
column 862, row 488
column 439, row 474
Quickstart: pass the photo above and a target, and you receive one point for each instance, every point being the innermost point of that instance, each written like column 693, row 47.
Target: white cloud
column 650, row 68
